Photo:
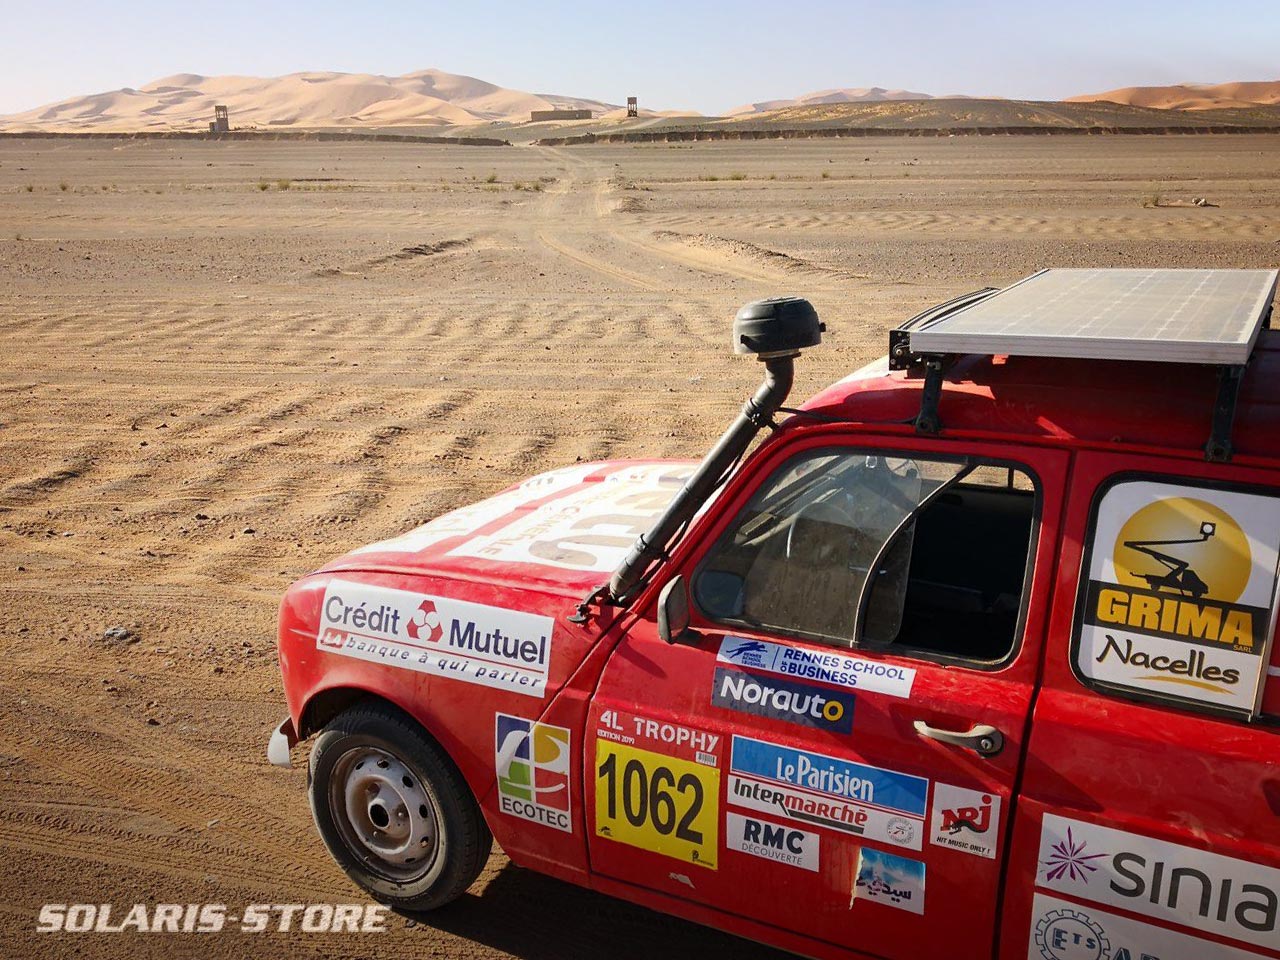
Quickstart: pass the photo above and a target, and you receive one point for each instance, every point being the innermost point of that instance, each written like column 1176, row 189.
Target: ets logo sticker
column 965, row 820
column 531, row 760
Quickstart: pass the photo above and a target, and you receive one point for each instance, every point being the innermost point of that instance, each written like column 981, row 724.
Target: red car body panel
column 1072, row 755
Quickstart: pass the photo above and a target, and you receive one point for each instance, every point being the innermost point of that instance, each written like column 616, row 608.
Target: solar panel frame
column 1161, row 315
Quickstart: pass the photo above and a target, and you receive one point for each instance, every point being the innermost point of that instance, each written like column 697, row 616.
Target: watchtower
column 633, row 108
column 221, row 123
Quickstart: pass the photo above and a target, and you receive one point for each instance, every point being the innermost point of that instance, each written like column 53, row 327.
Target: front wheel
column 393, row 809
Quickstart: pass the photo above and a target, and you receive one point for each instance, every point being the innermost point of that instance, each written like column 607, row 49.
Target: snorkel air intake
column 775, row 331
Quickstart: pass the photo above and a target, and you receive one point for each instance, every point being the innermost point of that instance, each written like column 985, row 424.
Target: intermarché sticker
column 805, row 663
column 1179, row 593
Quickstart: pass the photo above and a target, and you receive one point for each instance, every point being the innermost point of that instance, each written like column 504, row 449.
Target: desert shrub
column 491, row 178
column 283, row 184
column 31, row 187
column 263, row 185
column 64, row 186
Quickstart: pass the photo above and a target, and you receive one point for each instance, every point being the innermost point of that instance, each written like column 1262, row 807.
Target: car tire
column 394, row 810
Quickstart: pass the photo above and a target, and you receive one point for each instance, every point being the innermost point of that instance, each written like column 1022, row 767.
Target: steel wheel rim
column 384, row 813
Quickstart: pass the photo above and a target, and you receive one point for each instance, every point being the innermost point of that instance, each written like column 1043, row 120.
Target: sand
column 841, row 95
column 312, row 100
column 207, row 389
column 1191, row 96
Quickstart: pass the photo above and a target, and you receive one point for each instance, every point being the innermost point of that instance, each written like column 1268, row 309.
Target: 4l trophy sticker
column 1180, row 592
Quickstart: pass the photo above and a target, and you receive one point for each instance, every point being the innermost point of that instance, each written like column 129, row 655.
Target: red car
column 974, row 656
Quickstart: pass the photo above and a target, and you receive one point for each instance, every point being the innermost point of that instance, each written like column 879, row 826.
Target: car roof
column 1073, row 402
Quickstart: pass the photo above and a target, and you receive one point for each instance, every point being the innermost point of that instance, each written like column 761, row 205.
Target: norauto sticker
column 1061, row 930
column 587, row 529
column 789, row 700
column 814, row 790
column 1179, row 593
column 838, row 669
column 965, row 820
column 1235, row 899
column 531, row 761
column 887, row 878
column 769, row 840
column 472, row 642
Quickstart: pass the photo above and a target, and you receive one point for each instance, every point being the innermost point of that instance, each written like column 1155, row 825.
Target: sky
column 672, row 55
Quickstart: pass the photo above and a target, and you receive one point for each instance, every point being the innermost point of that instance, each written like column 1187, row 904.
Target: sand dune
column 185, row 102
column 1191, row 96
column 842, row 95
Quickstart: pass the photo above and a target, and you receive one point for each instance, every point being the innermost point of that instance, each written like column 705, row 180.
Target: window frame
column 968, row 462
column 1120, row 692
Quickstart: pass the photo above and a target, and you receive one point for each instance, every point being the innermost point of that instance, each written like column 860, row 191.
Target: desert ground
column 222, row 363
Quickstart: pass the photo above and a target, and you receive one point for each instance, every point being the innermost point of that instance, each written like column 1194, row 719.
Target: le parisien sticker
column 1181, row 585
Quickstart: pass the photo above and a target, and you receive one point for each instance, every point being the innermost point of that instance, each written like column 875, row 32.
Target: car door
column 771, row 767
column 1149, row 827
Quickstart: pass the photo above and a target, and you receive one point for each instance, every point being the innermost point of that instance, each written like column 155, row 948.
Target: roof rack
column 1163, row 316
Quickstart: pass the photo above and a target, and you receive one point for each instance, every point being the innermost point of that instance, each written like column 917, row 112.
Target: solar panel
column 1180, row 316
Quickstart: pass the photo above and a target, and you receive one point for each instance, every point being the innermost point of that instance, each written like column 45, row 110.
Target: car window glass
column 798, row 556
column 964, row 557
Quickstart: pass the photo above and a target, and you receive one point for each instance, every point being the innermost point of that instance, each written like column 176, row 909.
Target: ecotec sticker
column 889, row 879
column 490, row 646
column 1061, row 930
column 855, row 673
column 1236, row 899
column 965, row 820
column 768, row 840
column 531, row 761
column 1180, row 589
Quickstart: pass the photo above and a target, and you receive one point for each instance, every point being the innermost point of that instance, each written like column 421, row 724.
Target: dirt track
column 207, row 389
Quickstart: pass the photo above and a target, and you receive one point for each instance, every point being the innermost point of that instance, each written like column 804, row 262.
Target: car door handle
column 981, row 738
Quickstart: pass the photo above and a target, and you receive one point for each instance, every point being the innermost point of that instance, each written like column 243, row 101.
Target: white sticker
column 771, row 841
column 491, row 646
column 1061, row 930
column 1179, row 593
column 887, row 878
column 589, row 529
column 965, row 820
column 806, row 663
column 467, row 519
column 1180, row 885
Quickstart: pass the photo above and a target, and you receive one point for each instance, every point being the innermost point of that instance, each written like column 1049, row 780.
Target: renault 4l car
column 973, row 656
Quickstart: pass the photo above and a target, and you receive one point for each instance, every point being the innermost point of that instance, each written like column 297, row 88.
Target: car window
column 966, row 554
column 936, row 549
column 800, row 552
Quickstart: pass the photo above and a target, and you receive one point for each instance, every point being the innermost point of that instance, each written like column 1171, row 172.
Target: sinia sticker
column 1179, row 595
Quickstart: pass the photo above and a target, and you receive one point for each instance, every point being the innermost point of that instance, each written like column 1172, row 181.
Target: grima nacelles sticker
column 1179, row 593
